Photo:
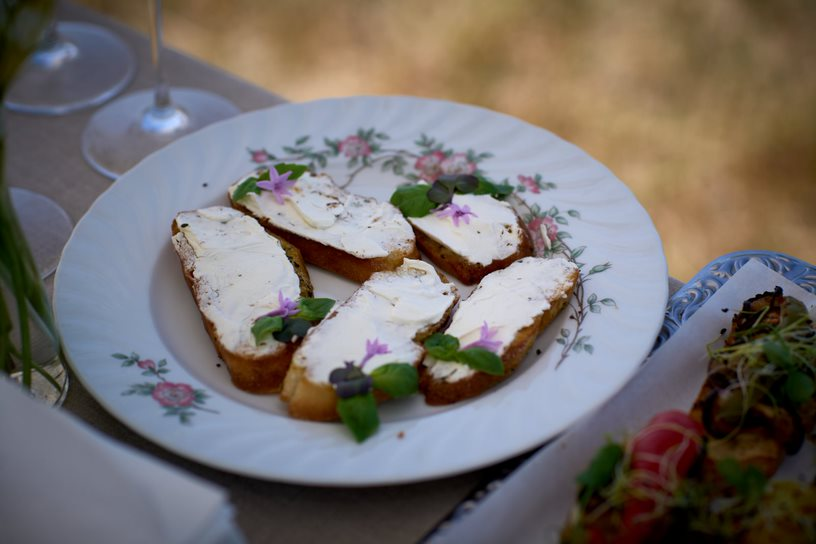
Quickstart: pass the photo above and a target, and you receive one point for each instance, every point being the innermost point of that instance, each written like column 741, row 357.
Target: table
column 43, row 155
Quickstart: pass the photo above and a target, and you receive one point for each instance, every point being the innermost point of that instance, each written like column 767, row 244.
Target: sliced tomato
column 661, row 455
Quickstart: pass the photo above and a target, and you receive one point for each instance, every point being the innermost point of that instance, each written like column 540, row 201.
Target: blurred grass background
column 706, row 110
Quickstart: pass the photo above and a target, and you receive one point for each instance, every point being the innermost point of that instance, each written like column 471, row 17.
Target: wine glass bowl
column 77, row 65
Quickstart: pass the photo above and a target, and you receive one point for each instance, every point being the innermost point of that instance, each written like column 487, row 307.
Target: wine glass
column 76, row 65
column 128, row 129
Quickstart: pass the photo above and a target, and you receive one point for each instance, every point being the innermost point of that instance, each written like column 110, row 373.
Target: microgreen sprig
column 777, row 358
column 420, row 199
column 286, row 174
column 291, row 319
column 480, row 355
column 356, row 404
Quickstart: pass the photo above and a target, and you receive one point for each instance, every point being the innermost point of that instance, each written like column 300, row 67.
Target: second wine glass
column 130, row 128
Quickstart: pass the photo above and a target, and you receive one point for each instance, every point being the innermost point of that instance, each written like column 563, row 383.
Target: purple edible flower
column 286, row 307
column 278, row 184
column 486, row 339
column 374, row 348
column 456, row 212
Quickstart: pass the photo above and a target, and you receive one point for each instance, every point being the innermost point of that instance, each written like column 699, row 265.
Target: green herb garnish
column 291, row 319
column 445, row 347
column 419, row 200
column 356, row 405
column 772, row 356
column 250, row 185
column 601, row 471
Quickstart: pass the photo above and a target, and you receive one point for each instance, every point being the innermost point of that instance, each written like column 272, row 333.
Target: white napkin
column 61, row 481
column 533, row 503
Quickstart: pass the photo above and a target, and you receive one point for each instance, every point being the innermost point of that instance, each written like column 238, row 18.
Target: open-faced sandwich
column 494, row 328
column 704, row 476
column 464, row 226
column 384, row 322
column 252, row 290
column 351, row 235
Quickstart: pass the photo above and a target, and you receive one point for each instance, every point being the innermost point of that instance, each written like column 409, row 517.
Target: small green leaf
column 359, row 414
column 599, row 268
column 574, row 213
column 292, row 327
column 609, row 302
column 439, row 193
column 396, row 379
column 302, row 140
column 249, row 185
column 265, row 326
column 296, row 170
column 778, row 353
column 314, row 309
column 799, row 387
column 565, row 333
column 482, row 360
column 442, row 346
column 119, row 356
column 412, row 200
column 601, row 471
column 500, row 191
column 466, row 183
column 749, row 482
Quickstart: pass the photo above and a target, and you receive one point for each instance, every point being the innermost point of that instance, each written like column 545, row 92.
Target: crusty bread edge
column 253, row 374
column 465, row 271
column 333, row 259
column 439, row 392
column 318, row 401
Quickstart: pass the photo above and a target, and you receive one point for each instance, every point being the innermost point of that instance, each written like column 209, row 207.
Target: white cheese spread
column 391, row 308
column 507, row 300
column 319, row 210
column 492, row 231
column 238, row 269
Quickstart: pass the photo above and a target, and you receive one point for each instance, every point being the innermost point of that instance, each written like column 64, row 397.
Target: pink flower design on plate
column 530, row 183
column 457, row 163
column 146, row 364
column 429, row 165
column 259, row 155
column 354, row 146
column 173, row 394
column 546, row 228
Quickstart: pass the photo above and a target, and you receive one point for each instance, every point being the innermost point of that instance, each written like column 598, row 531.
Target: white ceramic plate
column 134, row 337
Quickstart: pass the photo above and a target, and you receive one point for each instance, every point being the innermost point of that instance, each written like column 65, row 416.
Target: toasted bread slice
column 235, row 271
column 397, row 310
column 350, row 235
column 514, row 305
column 487, row 238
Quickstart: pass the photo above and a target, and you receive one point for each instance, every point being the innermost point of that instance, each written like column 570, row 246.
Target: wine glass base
column 46, row 227
column 89, row 65
column 122, row 133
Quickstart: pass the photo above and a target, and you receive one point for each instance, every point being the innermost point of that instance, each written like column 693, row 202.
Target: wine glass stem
column 161, row 97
